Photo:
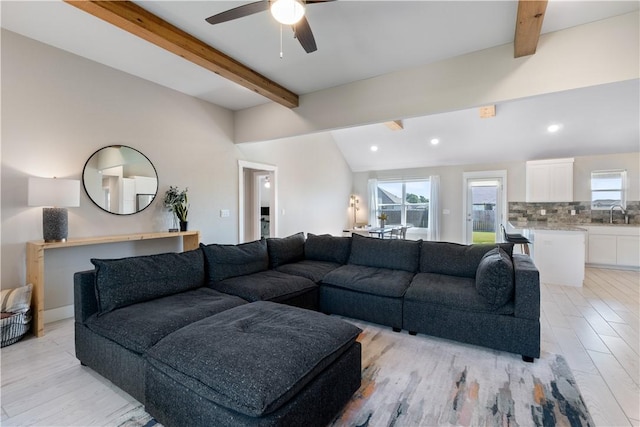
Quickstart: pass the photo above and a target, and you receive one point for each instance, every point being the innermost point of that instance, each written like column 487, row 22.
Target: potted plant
column 382, row 217
column 177, row 202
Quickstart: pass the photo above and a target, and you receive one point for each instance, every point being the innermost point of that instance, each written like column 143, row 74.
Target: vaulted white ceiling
column 357, row 40
column 596, row 120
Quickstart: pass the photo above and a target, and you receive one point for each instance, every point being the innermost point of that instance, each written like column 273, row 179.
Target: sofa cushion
column 328, row 248
column 224, row 261
column 139, row 326
column 393, row 254
column 126, row 281
column 285, row 249
column 451, row 292
column 312, row 270
column 494, row 278
column 267, row 285
column 455, row 259
column 370, row 280
column 254, row 358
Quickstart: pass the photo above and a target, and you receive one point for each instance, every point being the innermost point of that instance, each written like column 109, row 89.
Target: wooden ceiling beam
column 528, row 26
column 395, row 125
column 136, row 20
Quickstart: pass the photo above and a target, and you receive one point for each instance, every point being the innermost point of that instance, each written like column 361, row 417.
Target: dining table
column 379, row 232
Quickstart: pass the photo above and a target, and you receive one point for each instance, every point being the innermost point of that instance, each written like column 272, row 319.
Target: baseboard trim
column 60, row 313
column 613, row 267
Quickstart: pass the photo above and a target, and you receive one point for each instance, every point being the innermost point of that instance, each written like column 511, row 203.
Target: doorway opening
column 484, row 204
column 257, row 191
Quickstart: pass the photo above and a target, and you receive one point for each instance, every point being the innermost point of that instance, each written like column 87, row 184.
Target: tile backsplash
column 560, row 212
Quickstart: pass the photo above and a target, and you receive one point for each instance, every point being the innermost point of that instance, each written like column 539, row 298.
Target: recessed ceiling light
column 553, row 128
column 374, row 148
column 435, row 141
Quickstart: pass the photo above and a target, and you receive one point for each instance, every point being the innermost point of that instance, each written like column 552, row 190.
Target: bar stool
column 516, row 239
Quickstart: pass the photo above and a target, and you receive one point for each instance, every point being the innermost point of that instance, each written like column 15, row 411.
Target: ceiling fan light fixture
column 287, row 12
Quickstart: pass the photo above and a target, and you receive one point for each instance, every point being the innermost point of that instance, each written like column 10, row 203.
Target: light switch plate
column 224, row 213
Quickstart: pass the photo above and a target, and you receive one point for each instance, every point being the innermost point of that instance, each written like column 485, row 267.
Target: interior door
column 252, row 195
column 484, row 201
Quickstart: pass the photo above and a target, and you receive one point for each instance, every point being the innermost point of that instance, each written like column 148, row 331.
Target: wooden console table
column 35, row 262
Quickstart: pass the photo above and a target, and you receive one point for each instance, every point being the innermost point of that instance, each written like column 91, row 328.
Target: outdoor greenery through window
column 608, row 188
column 404, row 202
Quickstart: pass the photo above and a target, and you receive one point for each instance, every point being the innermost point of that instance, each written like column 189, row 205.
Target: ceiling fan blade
column 304, row 35
column 238, row 12
column 317, row 1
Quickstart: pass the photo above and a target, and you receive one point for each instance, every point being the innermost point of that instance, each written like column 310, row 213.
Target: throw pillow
column 285, row 250
column 126, row 281
column 16, row 300
column 225, row 261
column 494, row 278
column 327, row 248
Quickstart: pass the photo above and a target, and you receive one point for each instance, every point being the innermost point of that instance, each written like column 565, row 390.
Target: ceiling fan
column 286, row 12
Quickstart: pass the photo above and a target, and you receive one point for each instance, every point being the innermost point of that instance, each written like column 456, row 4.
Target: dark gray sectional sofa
column 130, row 312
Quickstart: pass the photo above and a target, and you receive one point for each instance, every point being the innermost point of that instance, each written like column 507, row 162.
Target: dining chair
column 403, row 232
column 395, row 233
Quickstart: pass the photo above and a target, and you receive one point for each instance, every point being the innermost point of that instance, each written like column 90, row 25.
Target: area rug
column 426, row 381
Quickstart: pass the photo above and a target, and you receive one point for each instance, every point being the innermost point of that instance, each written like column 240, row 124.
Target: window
column 608, row 188
column 404, row 202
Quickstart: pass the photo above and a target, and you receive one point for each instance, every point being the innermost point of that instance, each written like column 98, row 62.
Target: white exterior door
column 484, row 206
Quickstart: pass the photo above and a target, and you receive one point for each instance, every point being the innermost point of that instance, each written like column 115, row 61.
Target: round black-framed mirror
column 120, row 180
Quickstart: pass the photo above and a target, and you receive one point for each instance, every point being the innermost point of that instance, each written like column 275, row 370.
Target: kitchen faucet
column 611, row 212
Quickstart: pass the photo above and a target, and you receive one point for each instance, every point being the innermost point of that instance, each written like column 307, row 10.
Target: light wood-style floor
column 596, row 328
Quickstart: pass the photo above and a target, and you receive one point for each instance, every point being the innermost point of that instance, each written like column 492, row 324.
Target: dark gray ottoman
column 261, row 364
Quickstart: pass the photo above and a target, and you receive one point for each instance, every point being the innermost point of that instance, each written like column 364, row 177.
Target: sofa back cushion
column 327, row 248
column 494, row 278
column 285, row 250
column 454, row 259
column 224, row 261
column 392, row 254
column 126, row 281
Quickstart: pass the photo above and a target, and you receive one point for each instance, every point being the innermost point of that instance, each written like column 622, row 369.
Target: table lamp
column 57, row 195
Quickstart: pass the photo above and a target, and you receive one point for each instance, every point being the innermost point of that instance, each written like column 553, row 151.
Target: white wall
column 583, row 166
column 601, row 52
column 58, row 109
column 451, row 180
column 314, row 176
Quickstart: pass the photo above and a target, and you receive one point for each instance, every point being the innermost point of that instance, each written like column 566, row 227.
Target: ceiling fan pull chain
column 281, row 55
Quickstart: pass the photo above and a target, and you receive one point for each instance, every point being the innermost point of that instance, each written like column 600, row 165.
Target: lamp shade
column 54, row 192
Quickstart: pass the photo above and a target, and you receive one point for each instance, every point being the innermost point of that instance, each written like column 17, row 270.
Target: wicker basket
column 13, row 328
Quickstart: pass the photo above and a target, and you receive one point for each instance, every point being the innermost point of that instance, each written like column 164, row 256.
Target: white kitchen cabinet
column 614, row 246
column 550, row 180
column 628, row 251
column 602, row 249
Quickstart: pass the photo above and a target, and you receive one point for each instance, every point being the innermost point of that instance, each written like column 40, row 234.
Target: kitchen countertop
column 606, row 224
column 543, row 225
